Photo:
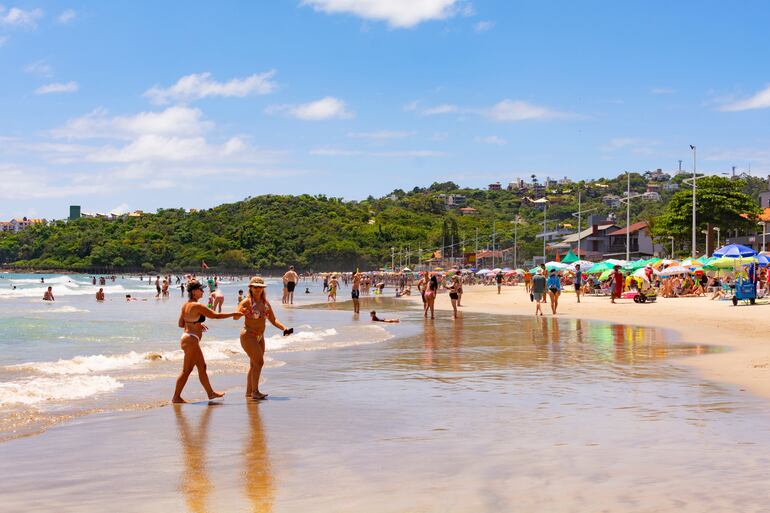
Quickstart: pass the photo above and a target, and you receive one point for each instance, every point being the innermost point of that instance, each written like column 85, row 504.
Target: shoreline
column 697, row 321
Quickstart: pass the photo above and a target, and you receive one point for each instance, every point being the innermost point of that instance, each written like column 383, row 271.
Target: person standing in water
column 355, row 293
column 333, row 284
column 256, row 309
column 290, row 280
column 430, row 296
column 538, row 290
column 554, row 290
column 100, row 295
column 453, row 295
column 499, row 281
column 578, row 281
column 191, row 320
column 48, row 295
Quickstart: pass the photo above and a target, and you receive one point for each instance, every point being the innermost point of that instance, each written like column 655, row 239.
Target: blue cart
column 745, row 290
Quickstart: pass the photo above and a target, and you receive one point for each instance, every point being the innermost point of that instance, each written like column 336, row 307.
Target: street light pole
column 392, row 258
column 628, row 216
column 694, row 185
column 515, row 243
column 578, row 247
column 672, row 245
column 717, row 230
column 545, row 214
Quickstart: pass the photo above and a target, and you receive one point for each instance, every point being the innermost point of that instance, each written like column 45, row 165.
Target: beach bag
column 531, row 297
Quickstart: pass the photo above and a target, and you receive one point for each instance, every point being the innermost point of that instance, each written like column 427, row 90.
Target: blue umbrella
column 734, row 251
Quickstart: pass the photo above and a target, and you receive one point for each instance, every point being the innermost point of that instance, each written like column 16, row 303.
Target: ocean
column 74, row 356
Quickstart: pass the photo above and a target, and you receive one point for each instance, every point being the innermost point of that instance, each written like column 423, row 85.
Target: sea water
column 75, row 355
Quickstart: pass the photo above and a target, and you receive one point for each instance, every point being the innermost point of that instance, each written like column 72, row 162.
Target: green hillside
column 316, row 232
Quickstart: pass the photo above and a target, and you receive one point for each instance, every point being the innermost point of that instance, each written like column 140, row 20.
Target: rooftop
column 630, row 229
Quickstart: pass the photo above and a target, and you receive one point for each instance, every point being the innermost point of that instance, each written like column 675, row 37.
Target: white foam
column 69, row 290
column 60, row 309
column 40, row 389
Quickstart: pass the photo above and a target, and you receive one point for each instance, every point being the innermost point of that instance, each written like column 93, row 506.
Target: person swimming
column 377, row 319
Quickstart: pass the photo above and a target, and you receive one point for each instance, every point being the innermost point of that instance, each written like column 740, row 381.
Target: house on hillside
column 611, row 200
column 468, row 211
column 640, row 242
column 452, row 200
column 497, row 186
column 16, row 225
column 594, row 240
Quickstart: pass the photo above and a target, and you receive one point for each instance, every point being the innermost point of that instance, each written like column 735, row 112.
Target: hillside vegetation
column 320, row 233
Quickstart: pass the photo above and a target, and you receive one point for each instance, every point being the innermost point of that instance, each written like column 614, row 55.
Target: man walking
column 290, row 280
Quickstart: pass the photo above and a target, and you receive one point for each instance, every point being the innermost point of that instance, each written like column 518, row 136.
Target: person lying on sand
column 377, row 319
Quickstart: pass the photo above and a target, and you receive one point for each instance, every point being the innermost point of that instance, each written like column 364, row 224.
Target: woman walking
column 256, row 309
column 454, row 296
column 191, row 320
column 430, row 296
column 554, row 290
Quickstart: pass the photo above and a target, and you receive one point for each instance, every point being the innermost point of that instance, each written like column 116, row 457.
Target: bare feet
column 216, row 395
column 258, row 396
column 178, row 400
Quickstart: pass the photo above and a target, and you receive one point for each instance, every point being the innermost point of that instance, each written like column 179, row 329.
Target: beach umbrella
column 520, row 270
column 717, row 264
column 483, row 271
column 406, row 270
column 614, row 261
column 570, row 257
column 673, row 270
column 585, row 266
column 641, row 273
column 633, row 266
column 605, row 274
column 601, row 267
column 438, row 268
column 734, row 251
column 496, row 270
column 506, row 269
column 559, row 266
column 691, row 263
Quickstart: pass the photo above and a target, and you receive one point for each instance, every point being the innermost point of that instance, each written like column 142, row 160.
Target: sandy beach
column 696, row 321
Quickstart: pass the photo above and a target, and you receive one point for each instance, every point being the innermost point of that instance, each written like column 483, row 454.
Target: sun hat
column 257, row 281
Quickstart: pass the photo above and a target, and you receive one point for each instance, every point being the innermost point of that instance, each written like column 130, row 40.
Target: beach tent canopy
column 734, row 251
column 570, row 257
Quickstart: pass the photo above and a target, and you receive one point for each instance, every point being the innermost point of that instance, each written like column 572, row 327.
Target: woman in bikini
column 430, row 296
column 256, row 309
column 191, row 320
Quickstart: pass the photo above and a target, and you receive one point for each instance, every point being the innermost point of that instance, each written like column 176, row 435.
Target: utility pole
column 694, row 185
column 579, row 216
column 628, row 216
column 516, row 242
column 494, row 233
column 545, row 218
column 392, row 258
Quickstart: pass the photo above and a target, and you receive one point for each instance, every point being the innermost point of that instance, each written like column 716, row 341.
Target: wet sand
column 742, row 329
column 487, row 413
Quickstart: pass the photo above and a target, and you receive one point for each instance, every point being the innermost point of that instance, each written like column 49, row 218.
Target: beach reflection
column 258, row 477
column 195, row 484
column 495, row 343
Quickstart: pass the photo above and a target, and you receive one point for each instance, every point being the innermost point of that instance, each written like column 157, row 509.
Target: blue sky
column 118, row 106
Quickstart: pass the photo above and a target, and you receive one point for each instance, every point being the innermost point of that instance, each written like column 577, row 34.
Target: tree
column 720, row 202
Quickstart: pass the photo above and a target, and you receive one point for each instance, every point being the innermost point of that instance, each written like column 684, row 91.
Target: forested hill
column 320, row 233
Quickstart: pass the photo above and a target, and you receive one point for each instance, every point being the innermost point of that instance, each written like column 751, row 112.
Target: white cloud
column 40, row 68
column 325, row 108
column 173, row 121
column 58, row 87
column 201, row 85
column 120, row 209
column 440, row 109
column 336, row 152
column 15, row 17
column 633, row 144
column 662, row 90
column 397, row 13
column 491, row 139
column 67, row 16
column 411, row 106
column 22, row 183
column 760, row 100
column 483, row 26
column 518, row 110
column 381, row 135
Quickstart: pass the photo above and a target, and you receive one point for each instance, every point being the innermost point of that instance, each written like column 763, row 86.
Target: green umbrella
column 601, row 267
column 633, row 266
column 606, row 274
column 717, row 264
